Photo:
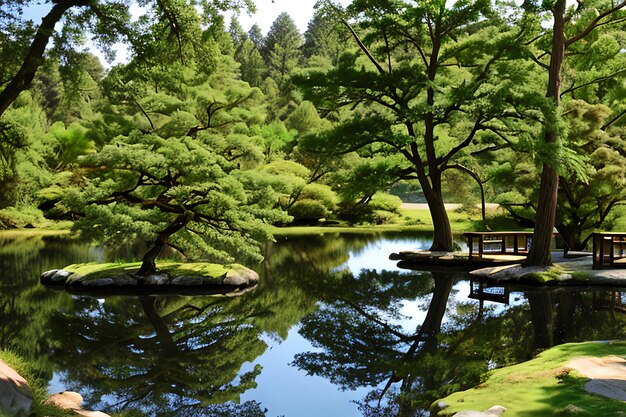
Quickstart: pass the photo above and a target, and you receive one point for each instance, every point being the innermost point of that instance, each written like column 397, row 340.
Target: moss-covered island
column 552, row 384
column 170, row 277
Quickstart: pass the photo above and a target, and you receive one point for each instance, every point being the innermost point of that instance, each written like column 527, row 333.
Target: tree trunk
column 572, row 237
column 539, row 254
column 442, row 240
column 542, row 313
column 35, row 56
column 148, row 265
column 148, row 303
column 568, row 300
column 427, row 342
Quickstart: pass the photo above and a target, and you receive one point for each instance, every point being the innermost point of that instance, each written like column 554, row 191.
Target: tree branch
column 596, row 81
column 615, row 119
column 361, row 44
column 595, row 23
column 475, row 177
column 35, row 55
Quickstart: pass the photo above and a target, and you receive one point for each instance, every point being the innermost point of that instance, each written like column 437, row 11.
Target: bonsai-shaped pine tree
column 172, row 175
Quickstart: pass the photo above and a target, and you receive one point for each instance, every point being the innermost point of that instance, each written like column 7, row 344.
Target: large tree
column 25, row 44
column 569, row 26
column 425, row 80
column 171, row 171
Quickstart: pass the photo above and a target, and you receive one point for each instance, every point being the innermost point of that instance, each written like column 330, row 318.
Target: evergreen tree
column 252, row 66
column 256, row 36
column 283, row 53
column 237, row 34
column 325, row 36
column 568, row 28
column 172, row 175
column 420, row 97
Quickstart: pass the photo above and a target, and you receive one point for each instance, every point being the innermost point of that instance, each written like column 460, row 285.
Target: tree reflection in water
column 174, row 356
column 165, row 356
column 362, row 344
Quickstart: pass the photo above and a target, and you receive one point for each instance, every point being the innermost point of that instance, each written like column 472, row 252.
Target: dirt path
column 607, row 375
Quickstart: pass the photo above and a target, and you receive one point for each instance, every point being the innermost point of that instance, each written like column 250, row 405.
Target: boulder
column 55, row 277
column 104, row 279
column 16, row 397
column 187, row 281
column 157, row 279
column 241, row 276
column 70, row 400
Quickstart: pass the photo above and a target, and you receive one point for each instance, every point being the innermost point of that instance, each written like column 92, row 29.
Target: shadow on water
column 175, row 356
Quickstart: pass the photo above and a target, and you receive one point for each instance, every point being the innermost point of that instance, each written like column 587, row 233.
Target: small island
column 102, row 279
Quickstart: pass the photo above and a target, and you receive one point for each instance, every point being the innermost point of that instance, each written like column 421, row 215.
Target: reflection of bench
column 479, row 291
column 609, row 250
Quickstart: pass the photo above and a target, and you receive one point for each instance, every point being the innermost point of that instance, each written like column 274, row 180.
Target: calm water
column 331, row 323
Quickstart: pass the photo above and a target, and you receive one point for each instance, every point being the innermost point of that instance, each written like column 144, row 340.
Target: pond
column 332, row 327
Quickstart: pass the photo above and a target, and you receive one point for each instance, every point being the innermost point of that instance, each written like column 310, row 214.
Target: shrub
column 385, row 202
column 320, row 193
column 308, row 210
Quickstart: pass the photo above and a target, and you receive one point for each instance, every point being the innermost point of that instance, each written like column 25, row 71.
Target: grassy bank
column 407, row 219
column 542, row 387
column 413, row 219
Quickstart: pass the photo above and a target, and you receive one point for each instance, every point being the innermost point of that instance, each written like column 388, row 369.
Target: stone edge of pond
column 557, row 274
column 231, row 279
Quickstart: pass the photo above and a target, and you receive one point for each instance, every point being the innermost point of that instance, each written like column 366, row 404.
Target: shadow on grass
column 569, row 398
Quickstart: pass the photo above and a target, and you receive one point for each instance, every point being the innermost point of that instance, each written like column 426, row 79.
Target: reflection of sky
column 286, row 391
column 376, row 254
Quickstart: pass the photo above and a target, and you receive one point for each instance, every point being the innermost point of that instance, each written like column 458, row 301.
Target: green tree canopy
column 174, row 23
column 173, row 174
column 424, row 81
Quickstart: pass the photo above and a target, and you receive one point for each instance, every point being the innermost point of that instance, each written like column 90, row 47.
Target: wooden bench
column 498, row 243
column 609, row 250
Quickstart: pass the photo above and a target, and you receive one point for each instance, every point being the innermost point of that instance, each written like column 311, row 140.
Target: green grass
column 28, row 217
column 409, row 219
column 413, row 219
column 94, row 270
column 17, row 233
column 541, row 387
column 553, row 273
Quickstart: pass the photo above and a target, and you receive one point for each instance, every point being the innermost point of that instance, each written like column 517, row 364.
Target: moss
column 554, row 273
column 581, row 276
column 93, row 270
column 541, row 386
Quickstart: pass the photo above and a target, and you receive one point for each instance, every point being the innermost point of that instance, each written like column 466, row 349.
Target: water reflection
column 174, row 356
column 164, row 356
column 458, row 341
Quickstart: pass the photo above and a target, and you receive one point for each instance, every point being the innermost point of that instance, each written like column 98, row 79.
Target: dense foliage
column 209, row 134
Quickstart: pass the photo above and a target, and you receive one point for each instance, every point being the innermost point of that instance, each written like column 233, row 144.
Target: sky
column 300, row 11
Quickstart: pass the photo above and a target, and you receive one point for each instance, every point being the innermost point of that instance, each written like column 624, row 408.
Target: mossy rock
column 103, row 279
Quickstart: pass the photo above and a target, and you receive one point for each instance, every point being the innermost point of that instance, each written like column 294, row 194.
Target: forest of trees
column 210, row 134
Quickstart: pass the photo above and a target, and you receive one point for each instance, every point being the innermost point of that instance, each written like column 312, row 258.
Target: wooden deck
column 451, row 261
column 501, row 243
column 485, row 249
